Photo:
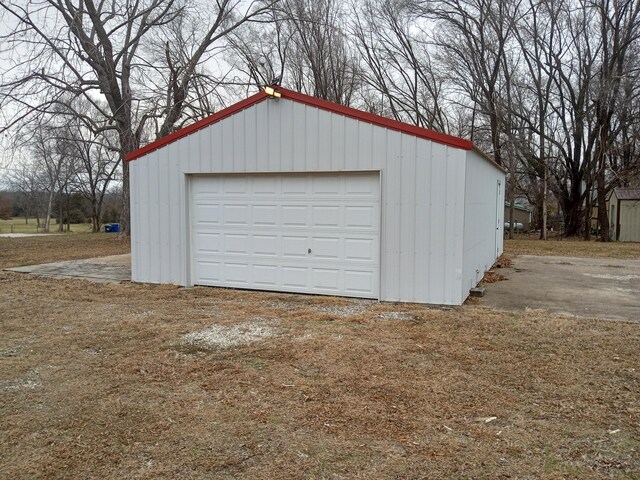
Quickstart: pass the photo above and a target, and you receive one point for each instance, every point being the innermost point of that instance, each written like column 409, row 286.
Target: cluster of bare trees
column 64, row 157
column 549, row 88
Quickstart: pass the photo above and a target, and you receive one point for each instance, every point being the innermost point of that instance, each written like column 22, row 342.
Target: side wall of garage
column 422, row 207
column 483, row 218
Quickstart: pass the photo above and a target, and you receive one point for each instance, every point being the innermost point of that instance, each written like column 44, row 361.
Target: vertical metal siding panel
column 407, row 217
column 338, row 145
column 437, row 221
column 151, row 187
column 134, row 198
column 173, row 225
column 421, row 224
column 158, row 212
column 392, row 215
column 455, row 225
column 326, row 161
column 201, row 150
column 285, row 140
column 273, row 126
column 145, row 209
column 350, row 138
column 262, row 138
column 215, row 162
column 379, row 161
column 365, row 145
column 250, row 139
column 311, row 136
column 239, row 140
column 184, row 234
column 299, row 139
column 228, row 145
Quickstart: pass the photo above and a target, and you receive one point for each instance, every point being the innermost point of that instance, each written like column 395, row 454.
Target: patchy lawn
column 16, row 252
column 525, row 245
column 142, row 381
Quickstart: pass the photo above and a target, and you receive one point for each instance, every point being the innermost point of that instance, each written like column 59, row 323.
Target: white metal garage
column 315, row 233
column 299, row 194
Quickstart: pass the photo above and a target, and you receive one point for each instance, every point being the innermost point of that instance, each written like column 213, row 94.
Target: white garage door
column 317, row 233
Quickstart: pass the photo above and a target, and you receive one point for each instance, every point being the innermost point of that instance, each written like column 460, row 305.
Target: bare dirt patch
column 387, row 391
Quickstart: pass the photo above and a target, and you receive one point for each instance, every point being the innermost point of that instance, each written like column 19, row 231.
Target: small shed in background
column 521, row 214
column 298, row 194
column 624, row 214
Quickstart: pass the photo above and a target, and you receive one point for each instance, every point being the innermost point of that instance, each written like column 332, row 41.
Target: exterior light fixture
column 272, row 92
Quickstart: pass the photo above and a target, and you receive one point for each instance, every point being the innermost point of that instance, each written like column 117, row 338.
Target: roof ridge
column 350, row 112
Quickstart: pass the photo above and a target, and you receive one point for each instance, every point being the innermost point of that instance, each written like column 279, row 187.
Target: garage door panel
column 326, row 216
column 294, row 277
column 265, row 185
column 236, row 243
column 294, row 215
column 265, row 215
column 207, row 213
column 360, row 217
column 360, row 249
column 326, row 279
column 326, row 185
column 237, row 273
column 266, row 275
column 294, row 247
column 266, row 245
column 359, row 281
column 294, row 185
column 236, row 185
column 205, row 242
column 326, row 248
column 208, row 271
column 309, row 233
column 236, row 214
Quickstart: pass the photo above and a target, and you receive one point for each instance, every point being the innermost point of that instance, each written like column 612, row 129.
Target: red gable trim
column 314, row 102
column 194, row 127
column 378, row 120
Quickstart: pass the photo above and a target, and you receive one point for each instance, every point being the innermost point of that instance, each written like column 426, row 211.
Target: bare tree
column 399, row 67
column 88, row 49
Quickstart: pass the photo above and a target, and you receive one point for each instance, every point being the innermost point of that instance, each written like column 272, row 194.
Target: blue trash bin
column 111, row 227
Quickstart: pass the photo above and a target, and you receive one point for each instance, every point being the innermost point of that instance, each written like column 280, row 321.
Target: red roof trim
column 200, row 124
column 314, row 102
column 377, row 120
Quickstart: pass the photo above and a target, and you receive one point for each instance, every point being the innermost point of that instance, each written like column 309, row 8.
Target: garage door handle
column 309, row 250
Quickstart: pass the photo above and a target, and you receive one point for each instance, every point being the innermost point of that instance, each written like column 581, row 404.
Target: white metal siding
column 422, row 187
column 629, row 221
column 483, row 219
column 307, row 233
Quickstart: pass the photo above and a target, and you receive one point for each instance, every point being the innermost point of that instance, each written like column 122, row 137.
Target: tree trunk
column 603, row 217
column 47, row 221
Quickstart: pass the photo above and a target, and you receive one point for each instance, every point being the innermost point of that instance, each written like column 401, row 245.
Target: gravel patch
column 219, row 337
column 344, row 310
column 396, row 316
column 30, row 381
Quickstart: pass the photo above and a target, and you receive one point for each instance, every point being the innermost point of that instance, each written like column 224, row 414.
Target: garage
column 287, row 192
column 315, row 233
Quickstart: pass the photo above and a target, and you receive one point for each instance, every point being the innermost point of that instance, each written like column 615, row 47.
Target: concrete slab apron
column 587, row 287
column 115, row 268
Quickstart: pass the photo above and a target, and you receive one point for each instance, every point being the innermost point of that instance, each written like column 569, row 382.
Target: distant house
column 520, row 215
column 624, row 214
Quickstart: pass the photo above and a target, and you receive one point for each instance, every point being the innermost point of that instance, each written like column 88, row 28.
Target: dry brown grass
column 572, row 248
column 16, row 252
column 95, row 384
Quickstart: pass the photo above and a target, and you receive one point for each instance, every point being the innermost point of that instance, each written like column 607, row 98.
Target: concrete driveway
column 588, row 287
column 115, row 268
